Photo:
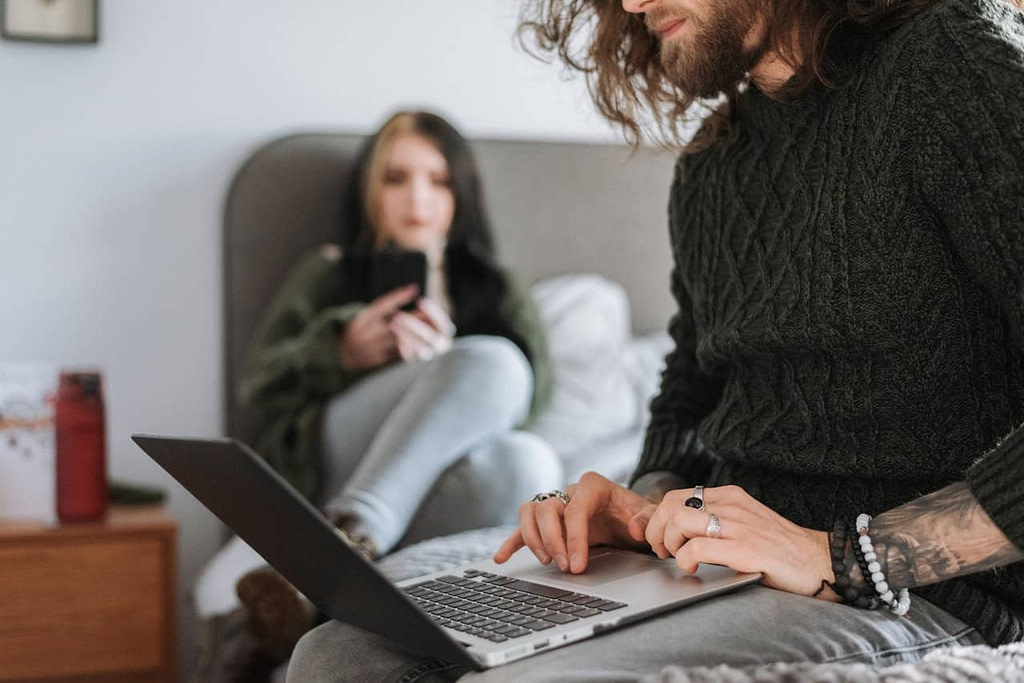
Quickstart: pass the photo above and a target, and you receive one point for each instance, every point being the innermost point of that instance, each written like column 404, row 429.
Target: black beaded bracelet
column 869, row 599
column 837, row 549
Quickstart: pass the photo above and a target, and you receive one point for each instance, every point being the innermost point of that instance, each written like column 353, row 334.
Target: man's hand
column 599, row 512
column 754, row 538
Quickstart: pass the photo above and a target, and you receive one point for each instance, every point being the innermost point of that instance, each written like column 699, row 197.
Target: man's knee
column 312, row 657
column 335, row 651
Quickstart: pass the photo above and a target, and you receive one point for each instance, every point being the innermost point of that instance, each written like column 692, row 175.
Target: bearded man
column 848, row 232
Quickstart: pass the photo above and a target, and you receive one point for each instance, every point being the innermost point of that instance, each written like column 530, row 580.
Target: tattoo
column 937, row 537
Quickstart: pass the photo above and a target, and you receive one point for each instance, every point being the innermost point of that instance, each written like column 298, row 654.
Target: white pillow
column 643, row 360
column 586, row 318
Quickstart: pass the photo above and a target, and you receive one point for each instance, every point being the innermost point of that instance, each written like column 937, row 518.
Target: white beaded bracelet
column 898, row 605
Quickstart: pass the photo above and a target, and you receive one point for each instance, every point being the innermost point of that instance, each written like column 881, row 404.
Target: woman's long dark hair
column 476, row 284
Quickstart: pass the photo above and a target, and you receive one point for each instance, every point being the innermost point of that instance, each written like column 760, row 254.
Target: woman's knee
column 496, row 359
column 491, row 376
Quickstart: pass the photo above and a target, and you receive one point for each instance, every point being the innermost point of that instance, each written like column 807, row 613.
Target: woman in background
column 401, row 423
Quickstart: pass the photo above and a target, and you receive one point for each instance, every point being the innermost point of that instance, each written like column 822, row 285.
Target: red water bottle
column 81, row 448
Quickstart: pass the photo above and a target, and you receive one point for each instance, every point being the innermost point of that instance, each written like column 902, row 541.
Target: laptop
column 479, row 615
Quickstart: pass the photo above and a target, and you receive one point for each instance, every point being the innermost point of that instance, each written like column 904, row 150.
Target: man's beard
column 714, row 58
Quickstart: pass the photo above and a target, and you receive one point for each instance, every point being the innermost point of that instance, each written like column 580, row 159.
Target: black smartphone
column 392, row 268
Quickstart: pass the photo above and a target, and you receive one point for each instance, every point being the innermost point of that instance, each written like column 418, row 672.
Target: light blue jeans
column 430, row 448
column 754, row 625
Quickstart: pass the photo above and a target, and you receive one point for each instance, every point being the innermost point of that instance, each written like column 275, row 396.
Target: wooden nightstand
column 90, row 601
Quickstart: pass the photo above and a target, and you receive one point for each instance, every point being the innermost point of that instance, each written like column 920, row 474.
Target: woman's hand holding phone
column 368, row 341
column 426, row 332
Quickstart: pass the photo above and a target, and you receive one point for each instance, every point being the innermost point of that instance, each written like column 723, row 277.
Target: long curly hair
column 620, row 59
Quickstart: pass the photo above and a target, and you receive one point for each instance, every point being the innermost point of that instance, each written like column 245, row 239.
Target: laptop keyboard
column 500, row 608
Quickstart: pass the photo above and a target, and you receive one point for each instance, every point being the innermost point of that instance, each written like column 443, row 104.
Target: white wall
column 115, row 158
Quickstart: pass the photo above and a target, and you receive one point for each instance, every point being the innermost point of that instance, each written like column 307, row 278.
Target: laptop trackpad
column 603, row 566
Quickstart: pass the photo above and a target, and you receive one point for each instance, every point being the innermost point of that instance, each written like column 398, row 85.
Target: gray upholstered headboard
column 556, row 208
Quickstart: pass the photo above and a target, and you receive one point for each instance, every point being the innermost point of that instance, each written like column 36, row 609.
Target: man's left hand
column 753, row 538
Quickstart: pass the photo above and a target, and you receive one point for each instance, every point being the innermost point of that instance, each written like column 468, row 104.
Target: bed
column 585, row 223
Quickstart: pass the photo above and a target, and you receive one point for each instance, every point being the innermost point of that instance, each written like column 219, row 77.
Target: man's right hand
column 599, row 512
column 368, row 341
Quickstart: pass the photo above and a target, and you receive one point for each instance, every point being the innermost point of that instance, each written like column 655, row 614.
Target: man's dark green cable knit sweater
column 850, row 279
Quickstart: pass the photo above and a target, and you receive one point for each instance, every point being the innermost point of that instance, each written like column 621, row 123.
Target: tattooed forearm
column 938, row 537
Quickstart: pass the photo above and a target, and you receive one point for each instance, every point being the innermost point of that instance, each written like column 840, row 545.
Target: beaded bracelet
column 870, row 600
column 873, row 570
column 837, row 549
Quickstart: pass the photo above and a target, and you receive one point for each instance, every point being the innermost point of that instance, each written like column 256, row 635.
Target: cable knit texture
column 976, row 664
column 850, row 279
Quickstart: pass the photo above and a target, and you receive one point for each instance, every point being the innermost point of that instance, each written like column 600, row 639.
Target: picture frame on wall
column 50, row 21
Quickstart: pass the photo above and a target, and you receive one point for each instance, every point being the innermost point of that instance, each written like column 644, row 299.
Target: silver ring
column 696, row 501
column 560, row 495
column 714, row 529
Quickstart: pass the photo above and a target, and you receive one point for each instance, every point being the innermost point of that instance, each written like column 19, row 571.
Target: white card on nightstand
column 28, row 468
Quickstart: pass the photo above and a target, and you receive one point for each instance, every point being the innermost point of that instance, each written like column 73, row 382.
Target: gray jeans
column 754, row 625
column 430, row 448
